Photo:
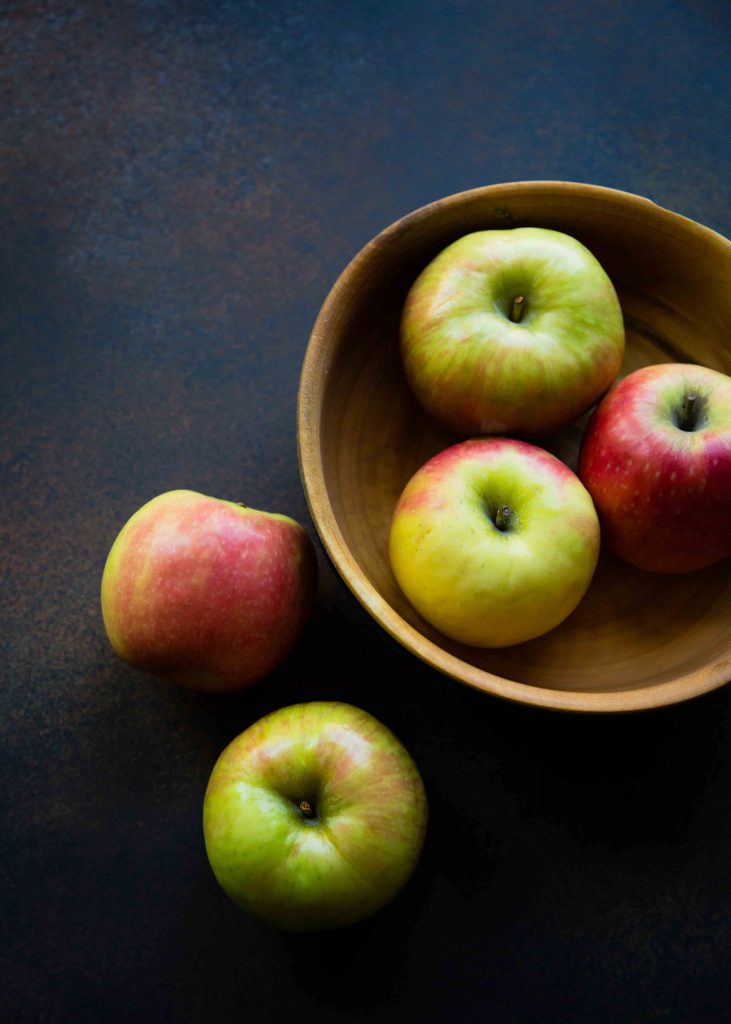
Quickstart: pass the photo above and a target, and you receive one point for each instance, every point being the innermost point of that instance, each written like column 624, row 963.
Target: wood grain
column 637, row 640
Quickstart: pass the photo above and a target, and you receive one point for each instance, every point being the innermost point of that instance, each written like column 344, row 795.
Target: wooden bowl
column 637, row 640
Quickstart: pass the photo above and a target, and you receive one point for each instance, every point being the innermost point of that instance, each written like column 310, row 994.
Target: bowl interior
column 637, row 639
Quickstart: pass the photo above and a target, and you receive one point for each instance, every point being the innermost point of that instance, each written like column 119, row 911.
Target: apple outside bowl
column 637, row 639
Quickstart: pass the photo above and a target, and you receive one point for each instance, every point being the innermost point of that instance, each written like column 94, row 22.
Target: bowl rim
column 311, row 387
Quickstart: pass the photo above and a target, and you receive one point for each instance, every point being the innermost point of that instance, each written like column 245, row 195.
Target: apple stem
column 307, row 809
column 517, row 311
column 688, row 415
column 503, row 517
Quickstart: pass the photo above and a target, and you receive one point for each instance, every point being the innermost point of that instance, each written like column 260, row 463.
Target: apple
column 656, row 458
column 494, row 541
column 314, row 817
column 207, row 593
column 514, row 331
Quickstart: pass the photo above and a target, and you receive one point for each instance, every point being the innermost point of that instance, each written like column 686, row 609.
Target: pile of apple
column 495, row 541
column 315, row 816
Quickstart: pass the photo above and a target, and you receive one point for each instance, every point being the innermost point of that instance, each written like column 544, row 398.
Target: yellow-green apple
column 515, row 331
column 207, row 593
column 314, row 817
column 656, row 458
column 494, row 541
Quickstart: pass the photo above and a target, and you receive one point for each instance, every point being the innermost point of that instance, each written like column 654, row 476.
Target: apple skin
column 206, row 593
column 663, row 493
column 360, row 846
column 475, row 582
column 474, row 369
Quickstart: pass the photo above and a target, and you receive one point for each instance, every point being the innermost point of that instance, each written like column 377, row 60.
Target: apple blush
column 206, row 593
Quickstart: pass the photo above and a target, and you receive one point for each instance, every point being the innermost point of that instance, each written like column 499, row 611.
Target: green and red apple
column 656, row 458
column 516, row 331
column 314, row 817
column 207, row 593
column 494, row 541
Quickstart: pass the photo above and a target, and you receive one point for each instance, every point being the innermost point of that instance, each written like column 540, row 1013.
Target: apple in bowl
column 515, row 331
column 494, row 541
column 314, row 817
column 656, row 458
column 207, row 593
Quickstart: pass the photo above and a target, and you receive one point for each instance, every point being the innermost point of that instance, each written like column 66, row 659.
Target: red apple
column 656, row 459
column 207, row 593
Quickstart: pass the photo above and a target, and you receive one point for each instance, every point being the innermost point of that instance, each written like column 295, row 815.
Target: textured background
column 180, row 184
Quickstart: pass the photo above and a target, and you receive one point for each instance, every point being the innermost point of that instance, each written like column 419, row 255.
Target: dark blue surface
column 180, row 184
